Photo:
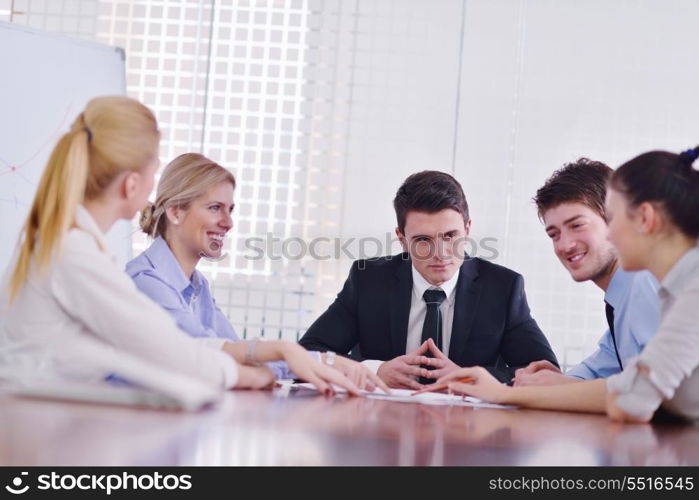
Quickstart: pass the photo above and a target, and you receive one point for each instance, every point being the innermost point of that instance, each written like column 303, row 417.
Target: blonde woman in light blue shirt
column 189, row 220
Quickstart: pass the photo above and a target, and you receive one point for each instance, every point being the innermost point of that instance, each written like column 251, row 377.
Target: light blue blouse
column 157, row 273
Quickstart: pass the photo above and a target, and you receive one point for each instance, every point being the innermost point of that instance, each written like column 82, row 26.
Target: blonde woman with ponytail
column 67, row 313
column 189, row 220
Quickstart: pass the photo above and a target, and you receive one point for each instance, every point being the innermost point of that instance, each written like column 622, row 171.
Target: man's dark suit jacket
column 492, row 326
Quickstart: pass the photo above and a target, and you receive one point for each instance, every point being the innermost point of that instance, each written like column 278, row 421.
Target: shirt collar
column 618, row 287
column 420, row 284
column 169, row 270
column 684, row 270
column 85, row 221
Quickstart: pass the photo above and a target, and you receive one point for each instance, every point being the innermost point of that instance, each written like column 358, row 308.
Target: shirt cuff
column 580, row 372
column 637, row 395
column 281, row 368
column 216, row 343
column 230, row 371
column 230, row 367
column 372, row 364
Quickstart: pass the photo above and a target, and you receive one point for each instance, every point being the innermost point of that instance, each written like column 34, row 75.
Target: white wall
column 546, row 82
column 498, row 92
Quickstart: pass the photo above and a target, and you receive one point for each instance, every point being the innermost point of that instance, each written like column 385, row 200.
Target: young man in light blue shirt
column 571, row 206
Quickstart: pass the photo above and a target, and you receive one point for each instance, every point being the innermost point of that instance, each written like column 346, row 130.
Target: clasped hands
column 402, row 372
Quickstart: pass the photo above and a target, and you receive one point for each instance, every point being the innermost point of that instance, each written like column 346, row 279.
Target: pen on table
column 439, row 387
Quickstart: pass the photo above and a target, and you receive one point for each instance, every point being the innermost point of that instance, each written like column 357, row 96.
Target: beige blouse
column 672, row 356
column 84, row 319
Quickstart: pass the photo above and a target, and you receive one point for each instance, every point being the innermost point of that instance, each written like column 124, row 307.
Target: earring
column 175, row 221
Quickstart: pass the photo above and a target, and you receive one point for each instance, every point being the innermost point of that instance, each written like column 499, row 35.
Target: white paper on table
column 405, row 396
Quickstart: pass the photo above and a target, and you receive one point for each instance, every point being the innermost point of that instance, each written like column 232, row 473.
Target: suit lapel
column 468, row 293
column 399, row 305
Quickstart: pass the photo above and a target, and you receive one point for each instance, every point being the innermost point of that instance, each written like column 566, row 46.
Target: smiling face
column 199, row 230
column 435, row 243
column 579, row 236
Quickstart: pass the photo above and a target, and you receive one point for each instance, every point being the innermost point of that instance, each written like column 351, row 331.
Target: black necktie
column 609, row 310
column 432, row 327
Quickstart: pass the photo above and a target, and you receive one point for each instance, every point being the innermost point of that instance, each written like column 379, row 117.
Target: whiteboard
column 45, row 82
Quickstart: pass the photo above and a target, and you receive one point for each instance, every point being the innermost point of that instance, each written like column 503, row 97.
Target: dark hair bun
column 666, row 178
column 688, row 157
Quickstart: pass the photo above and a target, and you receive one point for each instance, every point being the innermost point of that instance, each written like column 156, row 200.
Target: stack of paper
column 406, row 396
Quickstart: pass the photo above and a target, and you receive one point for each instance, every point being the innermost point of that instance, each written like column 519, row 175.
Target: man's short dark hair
column 429, row 191
column 583, row 181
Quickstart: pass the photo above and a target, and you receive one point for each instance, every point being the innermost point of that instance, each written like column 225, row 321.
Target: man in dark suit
column 430, row 299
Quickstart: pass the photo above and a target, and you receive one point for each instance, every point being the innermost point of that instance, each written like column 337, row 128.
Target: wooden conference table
column 302, row 428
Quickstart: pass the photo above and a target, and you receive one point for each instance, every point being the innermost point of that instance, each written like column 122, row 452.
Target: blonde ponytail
column 112, row 134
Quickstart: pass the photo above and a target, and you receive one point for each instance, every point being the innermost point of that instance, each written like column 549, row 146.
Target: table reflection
column 303, row 428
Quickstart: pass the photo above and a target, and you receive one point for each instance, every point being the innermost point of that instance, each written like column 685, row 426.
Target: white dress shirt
column 671, row 358
column 418, row 310
column 83, row 319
